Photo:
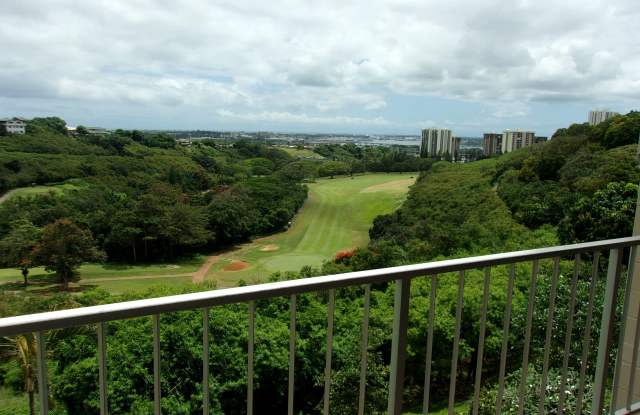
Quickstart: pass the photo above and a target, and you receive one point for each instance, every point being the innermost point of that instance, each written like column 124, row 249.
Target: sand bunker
column 269, row 248
column 236, row 266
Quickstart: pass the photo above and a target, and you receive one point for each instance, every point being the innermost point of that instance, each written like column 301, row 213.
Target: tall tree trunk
column 133, row 247
column 32, row 403
column 25, row 274
column 65, row 281
column 30, row 390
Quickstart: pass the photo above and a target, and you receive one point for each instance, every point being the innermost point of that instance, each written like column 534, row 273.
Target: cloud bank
column 360, row 65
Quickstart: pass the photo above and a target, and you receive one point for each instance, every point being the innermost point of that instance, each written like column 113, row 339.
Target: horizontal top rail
column 139, row 308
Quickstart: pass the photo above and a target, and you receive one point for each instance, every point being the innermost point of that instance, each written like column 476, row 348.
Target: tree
column 333, row 168
column 23, row 349
column 608, row 214
column 17, row 247
column 82, row 130
column 64, row 247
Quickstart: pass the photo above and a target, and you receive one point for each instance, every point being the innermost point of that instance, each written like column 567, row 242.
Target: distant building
column 13, row 125
column 492, row 144
column 513, row 140
column 439, row 142
column 90, row 130
column 597, row 116
column 541, row 139
column 97, row 130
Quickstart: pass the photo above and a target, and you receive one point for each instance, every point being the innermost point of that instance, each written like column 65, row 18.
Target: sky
column 372, row 66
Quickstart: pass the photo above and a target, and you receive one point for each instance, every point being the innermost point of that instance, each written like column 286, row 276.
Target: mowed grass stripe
column 336, row 216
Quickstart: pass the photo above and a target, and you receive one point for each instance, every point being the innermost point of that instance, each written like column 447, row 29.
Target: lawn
column 336, row 216
column 39, row 190
column 117, row 278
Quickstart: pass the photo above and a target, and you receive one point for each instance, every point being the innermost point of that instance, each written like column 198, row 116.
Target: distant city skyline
column 368, row 67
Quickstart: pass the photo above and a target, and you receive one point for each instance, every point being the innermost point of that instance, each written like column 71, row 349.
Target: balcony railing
column 402, row 277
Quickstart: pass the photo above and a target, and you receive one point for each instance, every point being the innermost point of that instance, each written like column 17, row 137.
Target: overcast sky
column 367, row 66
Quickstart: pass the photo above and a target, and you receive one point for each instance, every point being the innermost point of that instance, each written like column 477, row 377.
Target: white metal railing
column 402, row 276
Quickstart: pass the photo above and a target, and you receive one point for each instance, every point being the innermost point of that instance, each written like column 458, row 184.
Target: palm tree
column 23, row 349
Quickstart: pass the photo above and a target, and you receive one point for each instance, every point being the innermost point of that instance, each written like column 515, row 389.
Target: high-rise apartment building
column 492, row 144
column 439, row 142
column 513, row 140
column 597, row 116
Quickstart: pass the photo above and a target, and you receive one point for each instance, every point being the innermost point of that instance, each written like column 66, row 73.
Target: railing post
column 43, row 387
column 157, row 394
column 626, row 371
column 399, row 345
column 205, row 361
column 102, row 368
column 606, row 330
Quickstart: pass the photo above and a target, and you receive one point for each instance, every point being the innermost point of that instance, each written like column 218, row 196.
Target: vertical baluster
column 427, row 369
column 567, row 339
column 483, row 325
column 634, row 362
column 205, row 361
column 102, row 368
column 505, row 338
column 621, row 336
column 251, row 339
column 156, row 364
column 43, row 387
column 364, row 348
column 329, row 352
column 527, row 337
column 292, row 352
column 456, row 340
column 586, row 340
column 547, row 341
column 606, row 330
column 398, row 345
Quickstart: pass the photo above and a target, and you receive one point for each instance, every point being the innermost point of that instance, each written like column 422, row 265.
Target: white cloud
column 319, row 58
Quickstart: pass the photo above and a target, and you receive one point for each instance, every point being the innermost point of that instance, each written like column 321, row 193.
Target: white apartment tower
column 439, row 142
column 597, row 116
column 513, row 140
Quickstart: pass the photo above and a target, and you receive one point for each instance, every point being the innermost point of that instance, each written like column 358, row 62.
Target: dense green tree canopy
column 64, row 246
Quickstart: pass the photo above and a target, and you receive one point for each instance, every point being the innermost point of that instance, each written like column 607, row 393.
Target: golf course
column 336, row 216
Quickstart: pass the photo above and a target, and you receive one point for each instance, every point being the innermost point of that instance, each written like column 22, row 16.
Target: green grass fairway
column 39, row 190
column 336, row 216
column 117, row 278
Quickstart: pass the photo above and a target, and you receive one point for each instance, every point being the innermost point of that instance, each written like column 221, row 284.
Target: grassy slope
column 38, row 190
column 304, row 153
column 336, row 216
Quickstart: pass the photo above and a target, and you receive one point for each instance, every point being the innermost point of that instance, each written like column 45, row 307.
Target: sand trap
column 236, row 266
column 395, row 186
column 269, row 248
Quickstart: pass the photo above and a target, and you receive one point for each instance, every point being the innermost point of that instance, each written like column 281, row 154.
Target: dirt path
column 200, row 274
column 7, row 195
